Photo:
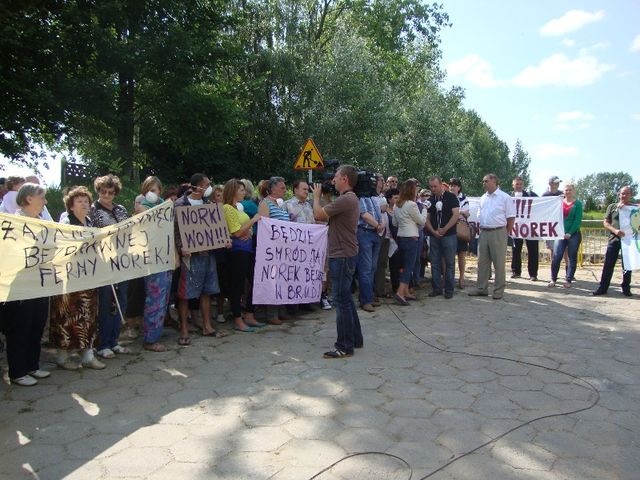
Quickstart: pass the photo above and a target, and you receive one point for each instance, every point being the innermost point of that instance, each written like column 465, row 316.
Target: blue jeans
column 572, row 245
column 109, row 319
column 409, row 248
column 444, row 247
column 368, row 252
column 341, row 272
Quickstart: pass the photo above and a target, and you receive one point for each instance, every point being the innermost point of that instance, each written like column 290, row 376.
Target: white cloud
column 635, row 45
column 475, row 70
column 576, row 115
column 596, row 47
column 568, row 42
column 560, row 70
column 636, row 116
column 570, row 22
column 575, row 120
column 546, row 151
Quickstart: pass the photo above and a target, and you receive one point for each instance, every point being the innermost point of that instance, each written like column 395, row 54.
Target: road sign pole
column 310, row 177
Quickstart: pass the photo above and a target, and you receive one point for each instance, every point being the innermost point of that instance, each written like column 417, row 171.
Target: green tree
column 602, row 188
column 520, row 162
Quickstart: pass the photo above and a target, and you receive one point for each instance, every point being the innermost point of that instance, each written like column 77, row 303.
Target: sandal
column 245, row 330
column 184, row 341
column 214, row 334
column 154, row 347
column 256, row 325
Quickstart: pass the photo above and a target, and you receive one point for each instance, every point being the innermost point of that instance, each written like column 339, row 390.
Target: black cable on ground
column 586, row 383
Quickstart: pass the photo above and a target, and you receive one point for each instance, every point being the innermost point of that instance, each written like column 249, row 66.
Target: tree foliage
column 601, row 189
column 235, row 86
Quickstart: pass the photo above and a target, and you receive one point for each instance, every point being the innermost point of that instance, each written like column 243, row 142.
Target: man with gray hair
column 496, row 216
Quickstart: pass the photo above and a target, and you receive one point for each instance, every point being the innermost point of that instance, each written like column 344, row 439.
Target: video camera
column 365, row 186
column 326, row 180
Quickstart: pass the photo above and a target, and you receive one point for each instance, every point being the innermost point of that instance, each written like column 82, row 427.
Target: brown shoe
column 367, row 307
column 376, row 302
column 275, row 321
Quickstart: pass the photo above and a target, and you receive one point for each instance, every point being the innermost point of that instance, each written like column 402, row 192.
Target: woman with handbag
column 463, row 229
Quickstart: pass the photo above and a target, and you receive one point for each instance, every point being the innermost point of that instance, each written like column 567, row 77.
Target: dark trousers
column 532, row 254
column 24, row 324
column 240, row 271
column 109, row 319
column 383, row 259
column 395, row 265
column 610, row 260
column 341, row 271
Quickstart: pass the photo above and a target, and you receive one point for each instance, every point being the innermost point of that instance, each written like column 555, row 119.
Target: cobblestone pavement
column 267, row 406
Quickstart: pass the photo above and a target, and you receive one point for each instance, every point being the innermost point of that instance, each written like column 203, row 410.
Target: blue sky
column 563, row 76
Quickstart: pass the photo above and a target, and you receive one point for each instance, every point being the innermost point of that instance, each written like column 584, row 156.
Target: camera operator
column 343, row 215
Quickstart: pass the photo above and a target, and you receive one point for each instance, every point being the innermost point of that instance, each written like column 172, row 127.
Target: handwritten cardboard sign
column 202, row 227
column 41, row 258
column 289, row 262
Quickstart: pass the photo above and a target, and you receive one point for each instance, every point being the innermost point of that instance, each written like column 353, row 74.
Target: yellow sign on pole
column 309, row 157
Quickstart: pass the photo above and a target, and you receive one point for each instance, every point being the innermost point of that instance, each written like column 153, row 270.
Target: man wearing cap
column 554, row 191
column 532, row 245
column 496, row 217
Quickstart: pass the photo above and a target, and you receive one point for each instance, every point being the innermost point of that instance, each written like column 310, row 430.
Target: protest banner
column 630, row 243
column 537, row 218
column 290, row 261
column 202, row 227
column 41, row 258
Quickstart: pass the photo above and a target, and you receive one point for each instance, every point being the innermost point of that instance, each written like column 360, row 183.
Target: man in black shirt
column 443, row 212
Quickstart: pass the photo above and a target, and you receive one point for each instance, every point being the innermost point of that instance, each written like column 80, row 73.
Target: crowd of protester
column 400, row 229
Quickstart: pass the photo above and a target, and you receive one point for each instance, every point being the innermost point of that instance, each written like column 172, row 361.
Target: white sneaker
column 120, row 349
column 26, row 381
column 324, row 303
column 106, row 353
column 94, row 363
column 40, row 373
column 551, row 284
column 220, row 319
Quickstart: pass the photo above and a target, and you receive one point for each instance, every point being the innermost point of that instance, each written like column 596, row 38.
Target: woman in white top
column 408, row 218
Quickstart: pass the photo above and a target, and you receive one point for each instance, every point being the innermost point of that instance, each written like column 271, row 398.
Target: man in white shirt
column 496, row 216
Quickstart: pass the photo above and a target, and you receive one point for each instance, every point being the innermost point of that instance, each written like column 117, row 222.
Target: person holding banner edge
column 612, row 223
column 272, row 206
column 198, row 273
column 73, row 320
column 241, row 257
column 342, row 249
column 572, row 213
column 157, row 287
column 105, row 212
column 533, row 246
column 25, row 319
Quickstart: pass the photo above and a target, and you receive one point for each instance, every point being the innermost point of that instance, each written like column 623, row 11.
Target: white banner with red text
column 537, row 218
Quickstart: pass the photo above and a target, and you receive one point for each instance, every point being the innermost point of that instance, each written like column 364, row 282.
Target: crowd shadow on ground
column 267, row 405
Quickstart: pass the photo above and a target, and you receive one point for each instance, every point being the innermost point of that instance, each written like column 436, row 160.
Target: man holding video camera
column 342, row 249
